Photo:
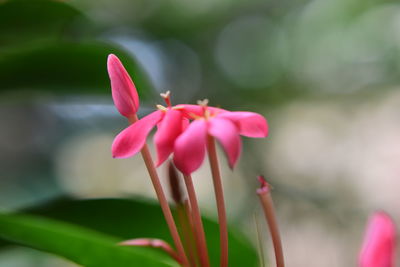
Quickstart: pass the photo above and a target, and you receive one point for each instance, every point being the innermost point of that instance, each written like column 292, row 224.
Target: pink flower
column 171, row 122
column 225, row 126
column 130, row 141
column 123, row 90
column 378, row 249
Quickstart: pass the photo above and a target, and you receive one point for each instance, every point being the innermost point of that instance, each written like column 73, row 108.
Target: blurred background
column 325, row 73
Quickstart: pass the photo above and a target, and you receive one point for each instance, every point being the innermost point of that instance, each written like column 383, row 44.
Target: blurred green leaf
column 23, row 21
column 65, row 68
column 128, row 219
column 77, row 244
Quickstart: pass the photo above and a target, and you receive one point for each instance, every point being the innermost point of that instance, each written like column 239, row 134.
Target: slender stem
column 187, row 231
column 268, row 208
column 259, row 241
column 163, row 200
column 219, row 196
column 152, row 242
column 197, row 223
column 189, row 217
column 184, row 214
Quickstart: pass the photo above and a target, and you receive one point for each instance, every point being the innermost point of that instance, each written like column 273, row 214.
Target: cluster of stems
column 193, row 251
column 162, row 199
column 189, row 212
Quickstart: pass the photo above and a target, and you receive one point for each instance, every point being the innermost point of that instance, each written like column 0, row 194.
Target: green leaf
column 128, row 219
column 65, row 67
column 26, row 21
column 75, row 243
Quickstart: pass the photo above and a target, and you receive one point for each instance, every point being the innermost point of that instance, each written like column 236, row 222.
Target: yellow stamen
column 161, row 107
column 194, row 116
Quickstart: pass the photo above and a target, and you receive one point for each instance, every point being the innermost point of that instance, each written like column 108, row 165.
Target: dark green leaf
column 77, row 244
column 24, row 21
column 128, row 219
column 65, row 67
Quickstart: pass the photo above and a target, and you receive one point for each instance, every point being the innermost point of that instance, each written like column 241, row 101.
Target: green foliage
column 126, row 219
column 51, row 46
column 26, row 21
column 65, row 67
column 77, row 244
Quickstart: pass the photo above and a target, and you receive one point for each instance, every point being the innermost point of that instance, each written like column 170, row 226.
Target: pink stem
column 269, row 211
column 151, row 242
column 197, row 223
column 162, row 200
column 219, row 196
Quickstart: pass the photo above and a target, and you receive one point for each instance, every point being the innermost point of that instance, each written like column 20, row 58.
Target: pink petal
column 227, row 134
column 123, row 90
column 131, row 140
column 190, row 147
column 169, row 129
column 185, row 123
column 250, row 124
column 379, row 245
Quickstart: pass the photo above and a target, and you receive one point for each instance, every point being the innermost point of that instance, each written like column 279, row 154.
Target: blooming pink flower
column 225, row 126
column 123, row 89
column 130, row 141
column 171, row 122
column 378, row 249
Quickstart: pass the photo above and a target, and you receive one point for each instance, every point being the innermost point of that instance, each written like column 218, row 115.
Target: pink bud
column 378, row 249
column 123, row 89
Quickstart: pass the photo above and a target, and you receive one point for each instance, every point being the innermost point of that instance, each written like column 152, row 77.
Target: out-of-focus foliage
column 25, row 22
column 122, row 219
column 265, row 51
column 67, row 67
column 77, row 244
column 51, row 45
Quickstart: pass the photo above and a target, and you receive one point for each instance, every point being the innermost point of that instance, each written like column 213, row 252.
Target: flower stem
column 163, row 200
column 184, row 216
column 269, row 212
column 197, row 223
column 259, row 242
column 151, row 242
column 219, row 196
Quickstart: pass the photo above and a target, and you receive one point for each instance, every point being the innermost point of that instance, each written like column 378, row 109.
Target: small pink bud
column 123, row 89
column 378, row 249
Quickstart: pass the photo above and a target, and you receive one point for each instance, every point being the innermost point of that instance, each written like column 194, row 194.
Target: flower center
column 206, row 112
column 167, row 98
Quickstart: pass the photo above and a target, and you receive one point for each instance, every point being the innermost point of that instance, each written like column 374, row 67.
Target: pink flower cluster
column 182, row 130
column 185, row 131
